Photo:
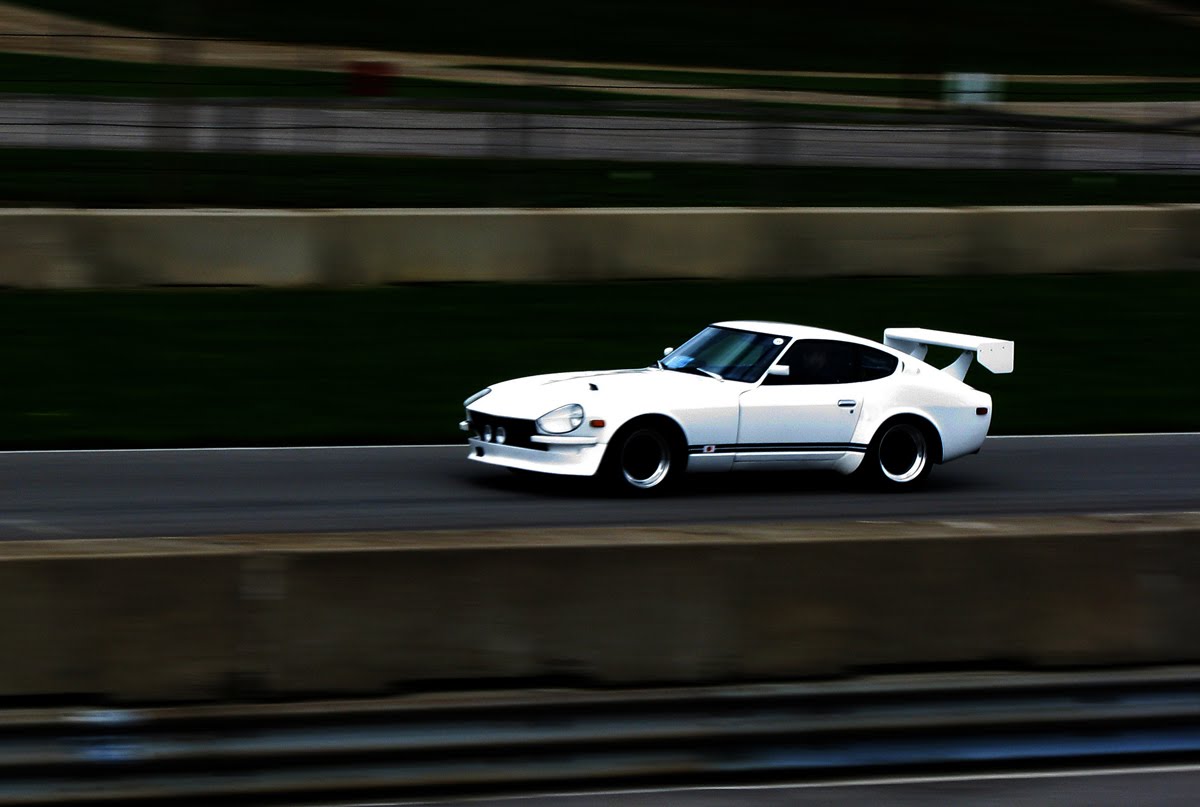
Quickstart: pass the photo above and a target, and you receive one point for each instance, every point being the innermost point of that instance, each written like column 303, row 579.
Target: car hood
column 534, row 396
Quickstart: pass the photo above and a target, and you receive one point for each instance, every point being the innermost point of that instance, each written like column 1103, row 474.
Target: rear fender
column 866, row 431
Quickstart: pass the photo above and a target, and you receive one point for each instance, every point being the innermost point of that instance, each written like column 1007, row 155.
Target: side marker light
column 981, row 410
column 597, row 424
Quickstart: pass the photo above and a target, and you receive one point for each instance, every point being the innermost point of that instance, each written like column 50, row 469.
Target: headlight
column 477, row 396
column 562, row 420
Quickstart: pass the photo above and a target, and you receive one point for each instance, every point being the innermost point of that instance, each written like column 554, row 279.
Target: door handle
column 847, row 402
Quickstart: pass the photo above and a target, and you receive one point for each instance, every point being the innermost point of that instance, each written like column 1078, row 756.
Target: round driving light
column 487, row 433
column 501, row 435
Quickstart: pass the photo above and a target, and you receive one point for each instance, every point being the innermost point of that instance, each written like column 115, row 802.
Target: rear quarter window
column 875, row 364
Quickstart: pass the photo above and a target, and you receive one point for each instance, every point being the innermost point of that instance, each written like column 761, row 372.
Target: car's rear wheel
column 643, row 459
column 900, row 456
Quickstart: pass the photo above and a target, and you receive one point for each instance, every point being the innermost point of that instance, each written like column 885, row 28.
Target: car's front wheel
column 900, row 456
column 643, row 459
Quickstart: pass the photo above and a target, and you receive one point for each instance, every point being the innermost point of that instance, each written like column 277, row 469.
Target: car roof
column 794, row 331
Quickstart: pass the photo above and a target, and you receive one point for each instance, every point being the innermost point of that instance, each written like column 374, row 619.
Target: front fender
column 710, row 421
column 701, row 425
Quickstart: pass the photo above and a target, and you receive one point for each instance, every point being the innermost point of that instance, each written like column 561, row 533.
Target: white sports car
column 744, row 395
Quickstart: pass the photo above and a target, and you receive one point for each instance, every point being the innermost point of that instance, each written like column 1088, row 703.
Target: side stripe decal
column 775, row 448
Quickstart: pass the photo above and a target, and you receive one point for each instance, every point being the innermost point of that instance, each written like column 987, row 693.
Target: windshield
column 731, row 354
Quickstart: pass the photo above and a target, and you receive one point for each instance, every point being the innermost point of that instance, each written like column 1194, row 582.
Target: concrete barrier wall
column 86, row 249
column 277, row 616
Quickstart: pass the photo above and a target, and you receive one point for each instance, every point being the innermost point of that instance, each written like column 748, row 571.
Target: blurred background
column 364, row 156
column 1103, row 95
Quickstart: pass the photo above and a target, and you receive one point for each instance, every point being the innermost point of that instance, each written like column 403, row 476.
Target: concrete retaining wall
column 84, row 249
column 280, row 615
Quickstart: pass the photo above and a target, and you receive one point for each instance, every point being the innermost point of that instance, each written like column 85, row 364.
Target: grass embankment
column 212, row 367
column 1001, row 36
column 112, row 178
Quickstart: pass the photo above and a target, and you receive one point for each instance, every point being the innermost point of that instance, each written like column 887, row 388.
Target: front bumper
column 527, row 450
column 581, row 457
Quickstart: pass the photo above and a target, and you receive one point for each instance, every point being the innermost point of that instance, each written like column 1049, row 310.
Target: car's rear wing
column 994, row 354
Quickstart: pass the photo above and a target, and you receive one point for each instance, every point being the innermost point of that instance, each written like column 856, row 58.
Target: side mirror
column 667, row 351
column 780, row 369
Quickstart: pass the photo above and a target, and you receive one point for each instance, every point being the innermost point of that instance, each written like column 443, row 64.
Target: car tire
column 900, row 455
column 643, row 460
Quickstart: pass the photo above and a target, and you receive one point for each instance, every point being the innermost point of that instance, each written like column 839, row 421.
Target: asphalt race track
column 46, row 495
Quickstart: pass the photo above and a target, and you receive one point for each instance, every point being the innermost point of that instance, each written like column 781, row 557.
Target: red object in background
column 369, row 78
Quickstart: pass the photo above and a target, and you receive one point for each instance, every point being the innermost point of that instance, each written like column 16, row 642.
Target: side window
column 819, row 361
column 875, row 364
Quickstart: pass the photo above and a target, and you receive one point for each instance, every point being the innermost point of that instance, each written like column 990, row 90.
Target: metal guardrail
column 602, row 130
column 499, row 740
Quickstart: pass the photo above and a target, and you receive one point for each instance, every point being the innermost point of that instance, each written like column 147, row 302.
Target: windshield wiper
column 692, row 369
